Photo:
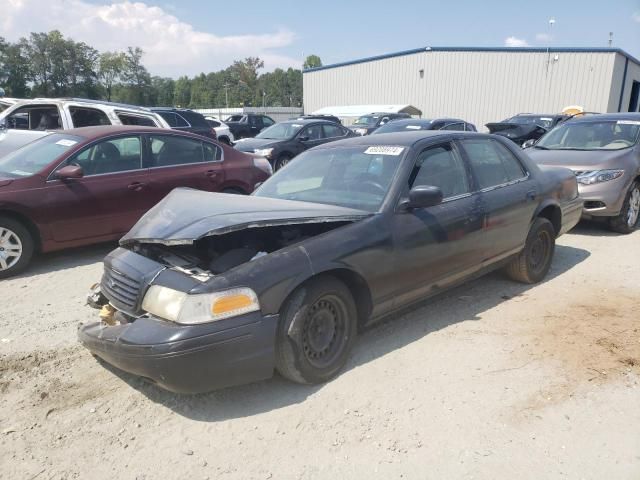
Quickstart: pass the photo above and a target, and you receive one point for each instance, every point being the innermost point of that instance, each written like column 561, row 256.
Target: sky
column 186, row 37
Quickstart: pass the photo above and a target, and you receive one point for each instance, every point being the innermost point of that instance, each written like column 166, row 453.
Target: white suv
column 66, row 113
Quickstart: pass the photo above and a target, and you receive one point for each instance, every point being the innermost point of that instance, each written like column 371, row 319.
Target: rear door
column 333, row 132
column 508, row 193
column 177, row 161
column 311, row 136
column 110, row 197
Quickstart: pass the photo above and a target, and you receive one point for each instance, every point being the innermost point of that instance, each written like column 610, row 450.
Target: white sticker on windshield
column 66, row 143
column 546, row 118
column 412, row 127
column 384, row 150
column 628, row 122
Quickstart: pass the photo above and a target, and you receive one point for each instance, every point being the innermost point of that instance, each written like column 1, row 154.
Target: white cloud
column 515, row 42
column 544, row 37
column 172, row 47
column 636, row 17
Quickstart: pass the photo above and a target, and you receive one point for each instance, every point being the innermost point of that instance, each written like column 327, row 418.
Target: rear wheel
column 16, row 247
column 282, row 161
column 627, row 220
column 533, row 262
column 316, row 331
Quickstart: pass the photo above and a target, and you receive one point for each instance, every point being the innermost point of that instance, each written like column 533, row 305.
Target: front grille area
column 121, row 290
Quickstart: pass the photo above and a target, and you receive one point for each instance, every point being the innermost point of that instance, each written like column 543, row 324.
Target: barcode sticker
column 384, row 150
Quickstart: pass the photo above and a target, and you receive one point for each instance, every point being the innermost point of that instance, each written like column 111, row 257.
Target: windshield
column 280, row 131
column 3, row 106
column 546, row 122
column 403, row 126
column 35, row 156
column 606, row 135
column 354, row 177
column 367, row 120
column 234, row 118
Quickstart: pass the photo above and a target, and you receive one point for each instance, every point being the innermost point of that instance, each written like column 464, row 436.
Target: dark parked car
column 604, row 153
column 248, row 125
column 283, row 141
column 186, row 120
column 331, row 118
column 526, row 126
column 92, row 184
column 413, row 124
column 366, row 124
column 212, row 290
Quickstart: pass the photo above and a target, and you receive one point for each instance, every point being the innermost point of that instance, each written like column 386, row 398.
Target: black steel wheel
column 533, row 262
column 318, row 325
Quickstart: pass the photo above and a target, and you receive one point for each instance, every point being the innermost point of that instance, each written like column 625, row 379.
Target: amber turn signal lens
column 231, row 303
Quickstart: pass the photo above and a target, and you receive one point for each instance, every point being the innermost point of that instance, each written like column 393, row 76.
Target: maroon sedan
column 89, row 185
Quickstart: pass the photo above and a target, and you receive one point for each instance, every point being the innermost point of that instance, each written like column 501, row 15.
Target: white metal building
column 482, row 85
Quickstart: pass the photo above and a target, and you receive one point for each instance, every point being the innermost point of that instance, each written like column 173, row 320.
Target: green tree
column 110, row 69
column 136, row 78
column 14, row 69
column 312, row 61
column 163, row 91
column 182, row 92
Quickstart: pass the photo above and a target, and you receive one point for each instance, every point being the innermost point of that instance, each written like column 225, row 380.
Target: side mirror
column 69, row 172
column 529, row 143
column 303, row 138
column 424, row 196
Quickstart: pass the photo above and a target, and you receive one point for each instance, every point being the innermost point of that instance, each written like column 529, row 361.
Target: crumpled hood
column 186, row 215
column 249, row 144
column 516, row 130
column 578, row 160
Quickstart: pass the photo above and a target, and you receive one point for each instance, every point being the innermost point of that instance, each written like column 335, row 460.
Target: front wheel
column 282, row 161
column 16, row 247
column 533, row 262
column 627, row 220
column 317, row 328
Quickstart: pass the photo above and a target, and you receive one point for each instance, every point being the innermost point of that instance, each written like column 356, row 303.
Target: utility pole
column 226, row 93
column 264, row 95
column 610, row 38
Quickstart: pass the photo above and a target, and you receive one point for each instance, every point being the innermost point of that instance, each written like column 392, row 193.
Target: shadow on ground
column 464, row 303
column 65, row 259
column 594, row 228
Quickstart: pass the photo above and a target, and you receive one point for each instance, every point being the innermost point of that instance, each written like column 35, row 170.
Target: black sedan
column 212, row 290
column 526, row 126
column 283, row 141
column 414, row 124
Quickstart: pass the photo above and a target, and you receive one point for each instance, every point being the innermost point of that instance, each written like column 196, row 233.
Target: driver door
column 312, row 136
column 436, row 246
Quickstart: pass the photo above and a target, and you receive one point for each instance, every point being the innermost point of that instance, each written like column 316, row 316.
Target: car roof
column 406, row 138
column 308, row 121
column 63, row 100
column 171, row 109
column 99, row 131
column 539, row 115
column 604, row 117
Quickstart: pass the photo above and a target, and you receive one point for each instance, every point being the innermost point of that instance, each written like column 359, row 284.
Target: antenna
column 610, row 38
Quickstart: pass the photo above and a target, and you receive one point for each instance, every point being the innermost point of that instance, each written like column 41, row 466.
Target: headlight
column 263, row 152
column 598, row 176
column 264, row 165
column 361, row 131
column 188, row 309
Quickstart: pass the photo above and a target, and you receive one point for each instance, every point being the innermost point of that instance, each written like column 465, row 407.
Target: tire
column 533, row 262
column 317, row 328
column 225, row 140
column 627, row 220
column 282, row 161
column 16, row 247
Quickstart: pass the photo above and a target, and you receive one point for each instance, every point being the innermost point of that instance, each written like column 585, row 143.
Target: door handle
column 136, row 186
column 531, row 194
column 211, row 173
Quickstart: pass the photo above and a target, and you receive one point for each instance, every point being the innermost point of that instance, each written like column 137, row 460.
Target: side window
column 314, row 132
column 267, row 121
column 212, row 153
column 34, row 117
column 88, row 117
column 454, row 126
column 170, row 117
column 253, row 121
column 331, row 131
column 110, row 156
column 441, row 167
column 139, row 120
column 181, row 122
column 168, row 150
column 493, row 164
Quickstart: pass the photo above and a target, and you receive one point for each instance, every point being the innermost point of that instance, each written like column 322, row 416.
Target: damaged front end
column 196, row 312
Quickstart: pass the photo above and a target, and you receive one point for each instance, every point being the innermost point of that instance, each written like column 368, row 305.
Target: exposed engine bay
column 216, row 254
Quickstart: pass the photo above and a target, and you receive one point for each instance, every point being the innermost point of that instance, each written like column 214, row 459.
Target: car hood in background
column 186, row 215
column 578, row 160
column 11, row 140
column 250, row 144
column 516, row 130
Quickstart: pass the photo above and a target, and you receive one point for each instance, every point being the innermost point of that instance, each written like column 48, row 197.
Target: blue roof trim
column 477, row 49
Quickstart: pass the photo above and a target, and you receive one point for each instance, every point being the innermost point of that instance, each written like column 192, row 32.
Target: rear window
column 195, row 119
column 139, row 120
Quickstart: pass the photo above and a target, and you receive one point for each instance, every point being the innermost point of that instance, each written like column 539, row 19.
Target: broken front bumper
column 188, row 358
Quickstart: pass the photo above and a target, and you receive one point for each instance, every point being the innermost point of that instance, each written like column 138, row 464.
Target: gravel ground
column 491, row 380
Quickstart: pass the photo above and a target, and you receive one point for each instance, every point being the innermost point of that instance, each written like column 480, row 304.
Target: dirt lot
column 491, row 380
